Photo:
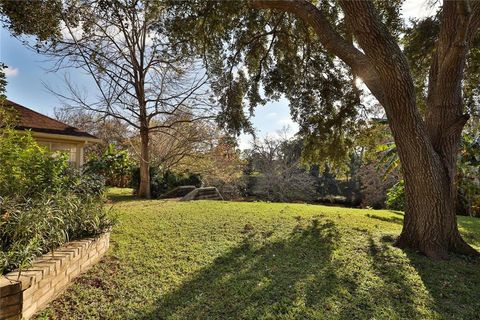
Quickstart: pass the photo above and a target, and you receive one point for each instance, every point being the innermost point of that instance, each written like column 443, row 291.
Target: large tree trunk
column 144, row 187
column 430, row 218
column 430, row 224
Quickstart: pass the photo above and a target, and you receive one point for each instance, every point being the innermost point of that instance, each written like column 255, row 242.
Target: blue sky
column 27, row 70
column 26, row 73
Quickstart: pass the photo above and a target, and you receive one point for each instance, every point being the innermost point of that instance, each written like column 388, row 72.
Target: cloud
column 286, row 121
column 272, row 114
column 419, row 8
column 10, row 72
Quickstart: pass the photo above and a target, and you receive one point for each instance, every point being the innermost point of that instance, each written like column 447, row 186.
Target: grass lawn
column 232, row 260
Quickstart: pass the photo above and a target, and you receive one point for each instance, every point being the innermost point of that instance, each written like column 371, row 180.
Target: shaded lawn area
column 228, row 260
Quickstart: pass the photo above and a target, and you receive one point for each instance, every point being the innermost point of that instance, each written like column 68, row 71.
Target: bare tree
column 281, row 177
column 109, row 130
column 219, row 163
column 141, row 78
column 170, row 147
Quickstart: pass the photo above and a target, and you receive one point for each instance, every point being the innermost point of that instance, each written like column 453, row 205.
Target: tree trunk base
column 435, row 251
column 461, row 247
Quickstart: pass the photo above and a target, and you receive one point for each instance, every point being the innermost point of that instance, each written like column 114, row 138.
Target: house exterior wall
column 74, row 147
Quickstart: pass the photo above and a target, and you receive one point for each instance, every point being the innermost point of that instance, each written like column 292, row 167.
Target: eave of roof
column 64, row 137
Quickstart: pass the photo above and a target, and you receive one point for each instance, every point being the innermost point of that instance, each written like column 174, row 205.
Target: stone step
column 210, row 197
column 207, row 193
column 178, row 192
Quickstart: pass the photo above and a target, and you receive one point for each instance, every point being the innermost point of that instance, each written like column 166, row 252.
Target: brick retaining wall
column 48, row 276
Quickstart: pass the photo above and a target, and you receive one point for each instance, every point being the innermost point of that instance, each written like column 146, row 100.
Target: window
column 70, row 149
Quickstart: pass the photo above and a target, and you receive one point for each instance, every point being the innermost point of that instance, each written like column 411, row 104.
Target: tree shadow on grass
column 452, row 285
column 254, row 279
column 294, row 278
column 398, row 213
column 116, row 198
column 386, row 219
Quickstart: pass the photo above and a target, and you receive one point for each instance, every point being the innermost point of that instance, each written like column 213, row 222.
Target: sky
column 28, row 72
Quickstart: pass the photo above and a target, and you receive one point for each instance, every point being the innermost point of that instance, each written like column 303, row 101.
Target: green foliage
column 164, row 181
column 8, row 115
column 114, row 164
column 342, row 191
column 41, row 224
column 229, row 260
column 469, row 172
column 170, row 180
column 43, row 202
column 40, row 18
column 389, row 161
column 258, row 55
column 396, row 196
column 26, row 167
column 327, row 183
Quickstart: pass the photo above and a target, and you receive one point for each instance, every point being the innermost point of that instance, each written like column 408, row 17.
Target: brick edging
column 48, row 276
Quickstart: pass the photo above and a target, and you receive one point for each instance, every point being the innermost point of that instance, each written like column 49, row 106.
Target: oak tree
column 313, row 52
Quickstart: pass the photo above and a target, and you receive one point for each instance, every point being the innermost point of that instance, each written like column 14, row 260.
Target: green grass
column 231, row 260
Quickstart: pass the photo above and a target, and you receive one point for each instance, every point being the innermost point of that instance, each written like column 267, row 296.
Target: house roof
column 37, row 122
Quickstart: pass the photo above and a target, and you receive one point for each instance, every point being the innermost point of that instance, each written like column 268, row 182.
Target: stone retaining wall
column 48, row 276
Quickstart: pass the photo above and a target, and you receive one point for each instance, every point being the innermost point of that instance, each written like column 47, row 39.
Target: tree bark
column 427, row 149
column 436, row 233
column 430, row 224
column 144, row 187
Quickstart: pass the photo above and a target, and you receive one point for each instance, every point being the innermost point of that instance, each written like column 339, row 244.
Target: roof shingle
column 37, row 122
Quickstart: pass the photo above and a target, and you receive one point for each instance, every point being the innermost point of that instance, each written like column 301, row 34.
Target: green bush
column 396, row 196
column 162, row 182
column 43, row 201
column 115, row 165
column 27, row 168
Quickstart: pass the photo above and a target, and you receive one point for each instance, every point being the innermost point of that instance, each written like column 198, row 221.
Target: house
column 53, row 134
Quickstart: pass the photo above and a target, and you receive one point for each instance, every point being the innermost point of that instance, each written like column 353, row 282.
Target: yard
column 233, row 260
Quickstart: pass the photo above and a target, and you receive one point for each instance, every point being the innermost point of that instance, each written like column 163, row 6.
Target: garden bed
column 23, row 295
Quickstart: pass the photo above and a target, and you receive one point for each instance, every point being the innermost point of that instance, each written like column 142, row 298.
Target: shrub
column 374, row 185
column 468, row 174
column 26, row 168
column 114, row 164
column 43, row 202
column 396, row 196
column 287, row 185
column 162, row 182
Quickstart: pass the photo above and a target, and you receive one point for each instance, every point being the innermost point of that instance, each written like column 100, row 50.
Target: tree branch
column 330, row 38
column 475, row 21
